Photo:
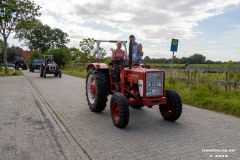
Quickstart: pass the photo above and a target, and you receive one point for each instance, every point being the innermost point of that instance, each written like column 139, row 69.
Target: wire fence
column 226, row 77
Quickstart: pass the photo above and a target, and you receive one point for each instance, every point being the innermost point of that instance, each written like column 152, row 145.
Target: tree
column 89, row 51
column 36, row 54
column 11, row 53
column 197, row 59
column 61, row 55
column 147, row 59
column 42, row 37
column 75, row 54
column 13, row 13
column 1, row 51
column 1, row 54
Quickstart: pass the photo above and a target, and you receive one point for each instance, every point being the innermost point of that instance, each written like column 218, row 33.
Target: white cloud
column 153, row 22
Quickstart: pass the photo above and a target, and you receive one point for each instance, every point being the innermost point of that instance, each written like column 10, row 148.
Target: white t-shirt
column 135, row 53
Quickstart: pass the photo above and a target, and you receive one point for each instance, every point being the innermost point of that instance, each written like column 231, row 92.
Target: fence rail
column 202, row 69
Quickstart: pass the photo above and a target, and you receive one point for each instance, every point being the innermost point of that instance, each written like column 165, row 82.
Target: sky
column 207, row 27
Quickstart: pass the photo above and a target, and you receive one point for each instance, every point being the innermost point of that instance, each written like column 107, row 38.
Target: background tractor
column 35, row 63
column 139, row 86
column 20, row 62
column 49, row 67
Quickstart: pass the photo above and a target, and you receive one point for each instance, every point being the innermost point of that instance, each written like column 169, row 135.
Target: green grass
column 10, row 73
column 208, row 96
column 81, row 72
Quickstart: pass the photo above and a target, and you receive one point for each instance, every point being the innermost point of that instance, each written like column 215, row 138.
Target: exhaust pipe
column 130, row 53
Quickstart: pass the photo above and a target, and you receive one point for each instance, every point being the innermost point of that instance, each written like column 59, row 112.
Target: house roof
column 26, row 54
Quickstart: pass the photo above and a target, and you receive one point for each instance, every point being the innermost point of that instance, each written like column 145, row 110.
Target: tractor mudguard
column 97, row 66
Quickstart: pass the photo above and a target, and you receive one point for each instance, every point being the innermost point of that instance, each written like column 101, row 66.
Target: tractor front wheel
column 96, row 90
column 59, row 74
column 173, row 109
column 119, row 110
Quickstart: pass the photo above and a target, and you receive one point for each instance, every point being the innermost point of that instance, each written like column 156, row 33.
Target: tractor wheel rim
column 91, row 89
column 115, row 111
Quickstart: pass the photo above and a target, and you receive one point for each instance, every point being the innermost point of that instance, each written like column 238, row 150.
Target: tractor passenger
column 137, row 51
column 118, row 57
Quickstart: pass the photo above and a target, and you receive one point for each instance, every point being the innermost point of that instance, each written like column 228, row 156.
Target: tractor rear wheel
column 173, row 109
column 119, row 110
column 41, row 70
column 96, row 90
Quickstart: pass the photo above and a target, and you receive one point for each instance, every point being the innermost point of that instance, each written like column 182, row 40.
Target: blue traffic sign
column 174, row 45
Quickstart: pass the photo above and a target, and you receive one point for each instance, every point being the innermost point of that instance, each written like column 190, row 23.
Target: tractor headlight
column 159, row 84
column 149, row 84
column 140, row 85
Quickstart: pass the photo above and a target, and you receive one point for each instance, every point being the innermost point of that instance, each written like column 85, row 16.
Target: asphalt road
column 197, row 134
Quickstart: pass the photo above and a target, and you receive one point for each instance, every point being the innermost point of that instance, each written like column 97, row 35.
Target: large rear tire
column 60, row 74
column 173, row 109
column 119, row 110
column 96, row 90
column 41, row 70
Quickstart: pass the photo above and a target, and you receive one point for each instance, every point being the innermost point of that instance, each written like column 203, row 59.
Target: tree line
column 86, row 53
column 193, row 59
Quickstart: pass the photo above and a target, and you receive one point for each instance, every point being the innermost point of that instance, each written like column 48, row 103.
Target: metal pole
column 172, row 66
column 98, row 52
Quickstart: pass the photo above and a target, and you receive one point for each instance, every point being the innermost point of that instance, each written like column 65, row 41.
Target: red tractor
column 139, row 86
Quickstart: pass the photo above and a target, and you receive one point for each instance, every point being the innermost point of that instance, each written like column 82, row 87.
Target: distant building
column 26, row 54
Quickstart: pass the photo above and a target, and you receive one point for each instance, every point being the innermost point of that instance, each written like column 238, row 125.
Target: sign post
column 174, row 47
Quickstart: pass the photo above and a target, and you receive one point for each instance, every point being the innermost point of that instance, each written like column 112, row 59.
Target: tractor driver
column 117, row 57
column 137, row 51
column 46, row 64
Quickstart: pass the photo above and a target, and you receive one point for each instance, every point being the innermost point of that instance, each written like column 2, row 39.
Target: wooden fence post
column 226, row 78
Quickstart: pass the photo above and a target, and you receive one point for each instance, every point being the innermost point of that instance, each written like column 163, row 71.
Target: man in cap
column 137, row 52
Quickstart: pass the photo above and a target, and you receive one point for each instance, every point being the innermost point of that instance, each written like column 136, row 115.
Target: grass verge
column 81, row 72
column 208, row 96
column 10, row 73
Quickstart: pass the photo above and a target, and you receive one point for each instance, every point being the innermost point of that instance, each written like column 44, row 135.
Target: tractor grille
column 154, row 83
column 52, row 68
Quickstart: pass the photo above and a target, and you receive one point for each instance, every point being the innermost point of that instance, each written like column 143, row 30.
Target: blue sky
column 218, row 37
column 208, row 27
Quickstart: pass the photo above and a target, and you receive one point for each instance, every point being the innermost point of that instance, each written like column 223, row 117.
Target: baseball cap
column 131, row 36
